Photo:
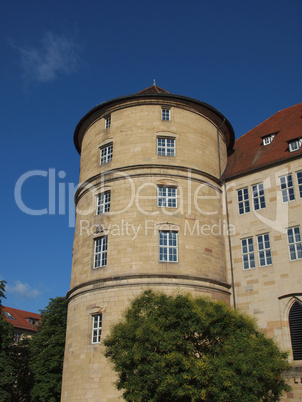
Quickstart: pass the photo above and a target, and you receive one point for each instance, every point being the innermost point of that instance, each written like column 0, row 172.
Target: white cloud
column 22, row 289
column 55, row 55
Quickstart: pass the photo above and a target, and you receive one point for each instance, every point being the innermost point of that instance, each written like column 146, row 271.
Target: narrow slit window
column 299, row 179
column 295, row 326
column 108, row 121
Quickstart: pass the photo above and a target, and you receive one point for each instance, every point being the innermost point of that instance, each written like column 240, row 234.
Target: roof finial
column 154, row 82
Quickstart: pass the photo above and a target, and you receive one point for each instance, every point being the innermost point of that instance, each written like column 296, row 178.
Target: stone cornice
column 93, row 180
column 134, row 280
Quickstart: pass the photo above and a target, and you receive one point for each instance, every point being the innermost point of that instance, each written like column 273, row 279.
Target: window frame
column 299, row 182
column 165, row 114
column 166, row 247
column 268, row 139
column 288, row 192
column 100, row 256
column 295, row 329
column 264, row 253
column 108, row 154
column 169, row 150
column 295, row 246
column 258, row 197
column 97, row 320
column 17, row 337
column 245, row 202
column 107, row 121
column 164, row 199
column 294, row 145
column 249, row 253
column 8, row 315
column 103, row 202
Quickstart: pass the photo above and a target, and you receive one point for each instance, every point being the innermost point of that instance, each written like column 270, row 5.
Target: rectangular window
column 96, row 328
column 248, row 256
column 103, row 203
column 243, row 201
column 287, row 188
column 258, row 196
column 294, row 243
column 106, row 154
column 165, row 114
column 294, row 145
column 100, row 252
column 17, row 337
column 168, row 249
column 167, row 197
column 108, row 121
column 264, row 250
column 299, row 179
column 166, row 146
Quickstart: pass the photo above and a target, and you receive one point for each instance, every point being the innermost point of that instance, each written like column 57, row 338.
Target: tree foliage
column 47, row 352
column 179, row 348
column 7, row 371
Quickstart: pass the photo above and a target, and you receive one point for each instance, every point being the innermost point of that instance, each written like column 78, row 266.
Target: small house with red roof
column 24, row 322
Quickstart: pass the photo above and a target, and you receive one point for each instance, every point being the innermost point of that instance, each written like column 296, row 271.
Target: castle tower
column 149, row 214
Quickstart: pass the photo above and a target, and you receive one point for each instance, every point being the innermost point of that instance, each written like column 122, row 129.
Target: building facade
column 264, row 193
column 151, row 212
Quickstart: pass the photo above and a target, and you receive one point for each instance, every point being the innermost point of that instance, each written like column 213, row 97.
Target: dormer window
column 8, row 315
column 294, row 145
column 33, row 321
column 267, row 139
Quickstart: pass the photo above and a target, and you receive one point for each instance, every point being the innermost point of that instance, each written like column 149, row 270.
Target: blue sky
column 61, row 58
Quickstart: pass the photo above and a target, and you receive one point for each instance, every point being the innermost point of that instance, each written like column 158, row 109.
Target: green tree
column 180, row 348
column 7, row 372
column 47, row 352
column 23, row 375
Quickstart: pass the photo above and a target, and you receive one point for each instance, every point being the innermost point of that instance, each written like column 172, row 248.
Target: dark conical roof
column 154, row 89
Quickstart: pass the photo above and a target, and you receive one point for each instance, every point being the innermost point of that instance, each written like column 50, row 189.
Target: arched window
column 295, row 326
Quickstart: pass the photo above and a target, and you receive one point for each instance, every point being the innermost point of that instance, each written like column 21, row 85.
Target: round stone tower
column 149, row 215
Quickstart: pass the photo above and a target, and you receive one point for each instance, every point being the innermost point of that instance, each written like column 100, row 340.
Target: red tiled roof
column 154, row 89
column 21, row 318
column 250, row 154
